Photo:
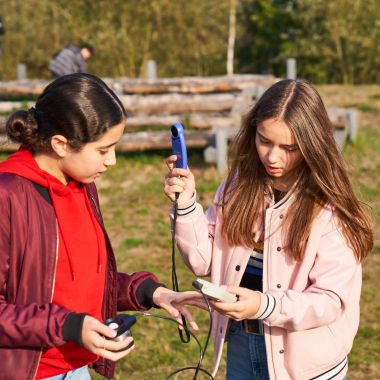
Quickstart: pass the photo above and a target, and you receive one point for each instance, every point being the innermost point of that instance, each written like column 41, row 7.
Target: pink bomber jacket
column 310, row 309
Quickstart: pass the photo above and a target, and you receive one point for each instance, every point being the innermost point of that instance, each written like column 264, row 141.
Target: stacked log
column 197, row 102
column 202, row 104
column 199, row 121
column 185, row 85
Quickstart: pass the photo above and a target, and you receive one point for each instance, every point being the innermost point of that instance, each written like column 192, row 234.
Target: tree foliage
column 333, row 41
column 265, row 35
column 184, row 37
column 339, row 40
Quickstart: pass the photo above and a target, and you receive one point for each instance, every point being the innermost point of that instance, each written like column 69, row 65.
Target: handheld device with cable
column 179, row 149
column 179, row 145
column 122, row 324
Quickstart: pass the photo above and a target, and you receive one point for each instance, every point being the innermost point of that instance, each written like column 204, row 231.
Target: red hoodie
column 80, row 274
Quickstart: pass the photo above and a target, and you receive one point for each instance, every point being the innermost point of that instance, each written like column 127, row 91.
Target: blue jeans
column 246, row 355
column 76, row 374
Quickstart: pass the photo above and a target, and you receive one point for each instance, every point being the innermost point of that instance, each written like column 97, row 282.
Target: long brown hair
column 322, row 178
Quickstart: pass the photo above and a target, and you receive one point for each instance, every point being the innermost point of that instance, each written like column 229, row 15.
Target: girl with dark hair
column 58, row 278
column 287, row 235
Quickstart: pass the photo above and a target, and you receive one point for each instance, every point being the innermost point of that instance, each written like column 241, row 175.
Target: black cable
column 174, row 273
column 198, row 368
column 202, row 351
column 176, row 288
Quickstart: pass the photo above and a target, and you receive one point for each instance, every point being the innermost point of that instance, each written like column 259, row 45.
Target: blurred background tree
column 266, row 35
column 184, row 37
column 333, row 41
column 339, row 41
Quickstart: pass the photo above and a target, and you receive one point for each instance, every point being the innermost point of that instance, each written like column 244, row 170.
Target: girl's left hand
column 174, row 303
column 247, row 305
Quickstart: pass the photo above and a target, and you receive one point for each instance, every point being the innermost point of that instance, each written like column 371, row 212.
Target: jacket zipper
column 56, row 261
column 95, row 206
column 52, row 291
column 106, row 281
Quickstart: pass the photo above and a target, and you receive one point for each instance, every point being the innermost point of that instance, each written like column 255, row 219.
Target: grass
column 136, row 215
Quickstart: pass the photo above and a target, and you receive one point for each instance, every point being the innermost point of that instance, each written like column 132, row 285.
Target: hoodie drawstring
column 96, row 228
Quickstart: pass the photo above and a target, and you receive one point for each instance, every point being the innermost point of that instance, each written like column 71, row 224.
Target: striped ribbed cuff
column 267, row 305
column 333, row 372
column 187, row 210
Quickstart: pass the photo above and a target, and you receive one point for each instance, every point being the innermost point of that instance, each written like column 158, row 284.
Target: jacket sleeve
column 334, row 284
column 135, row 291
column 195, row 232
column 29, row 325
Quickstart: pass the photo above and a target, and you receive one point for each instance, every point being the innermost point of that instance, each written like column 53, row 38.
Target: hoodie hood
column 64, row 199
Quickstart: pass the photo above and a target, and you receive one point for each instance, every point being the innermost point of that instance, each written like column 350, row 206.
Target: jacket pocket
column 311, row 352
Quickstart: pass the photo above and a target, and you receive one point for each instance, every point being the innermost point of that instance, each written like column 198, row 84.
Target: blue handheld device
column 179, row 145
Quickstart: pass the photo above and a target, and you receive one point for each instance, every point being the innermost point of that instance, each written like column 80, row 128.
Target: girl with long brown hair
column 287, row 235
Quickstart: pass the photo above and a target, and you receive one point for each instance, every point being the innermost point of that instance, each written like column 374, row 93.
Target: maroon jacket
column 29, row 321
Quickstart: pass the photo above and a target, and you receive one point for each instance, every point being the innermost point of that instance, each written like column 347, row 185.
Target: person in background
column 71, row 59
column 58, row 275
column 286, row 234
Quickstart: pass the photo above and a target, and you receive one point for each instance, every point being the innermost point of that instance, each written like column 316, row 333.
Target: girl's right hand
column 178, row 181
column 94, row 339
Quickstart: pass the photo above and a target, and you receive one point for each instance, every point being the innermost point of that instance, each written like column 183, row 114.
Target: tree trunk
column 231, row 38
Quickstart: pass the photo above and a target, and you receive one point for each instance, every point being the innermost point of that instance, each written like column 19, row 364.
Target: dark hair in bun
column 22, row 127
column 80, row 107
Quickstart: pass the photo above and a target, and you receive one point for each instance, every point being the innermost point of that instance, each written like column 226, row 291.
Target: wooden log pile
column 202, row 104
column 184, row 85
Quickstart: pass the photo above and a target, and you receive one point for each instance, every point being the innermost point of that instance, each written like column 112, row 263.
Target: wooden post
column 231, row 38
column 209, row 154
column 353, row 123
column 151, row 70
column 291, row 71
column 21, row 71
column 221, row 150
column 340, row 136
